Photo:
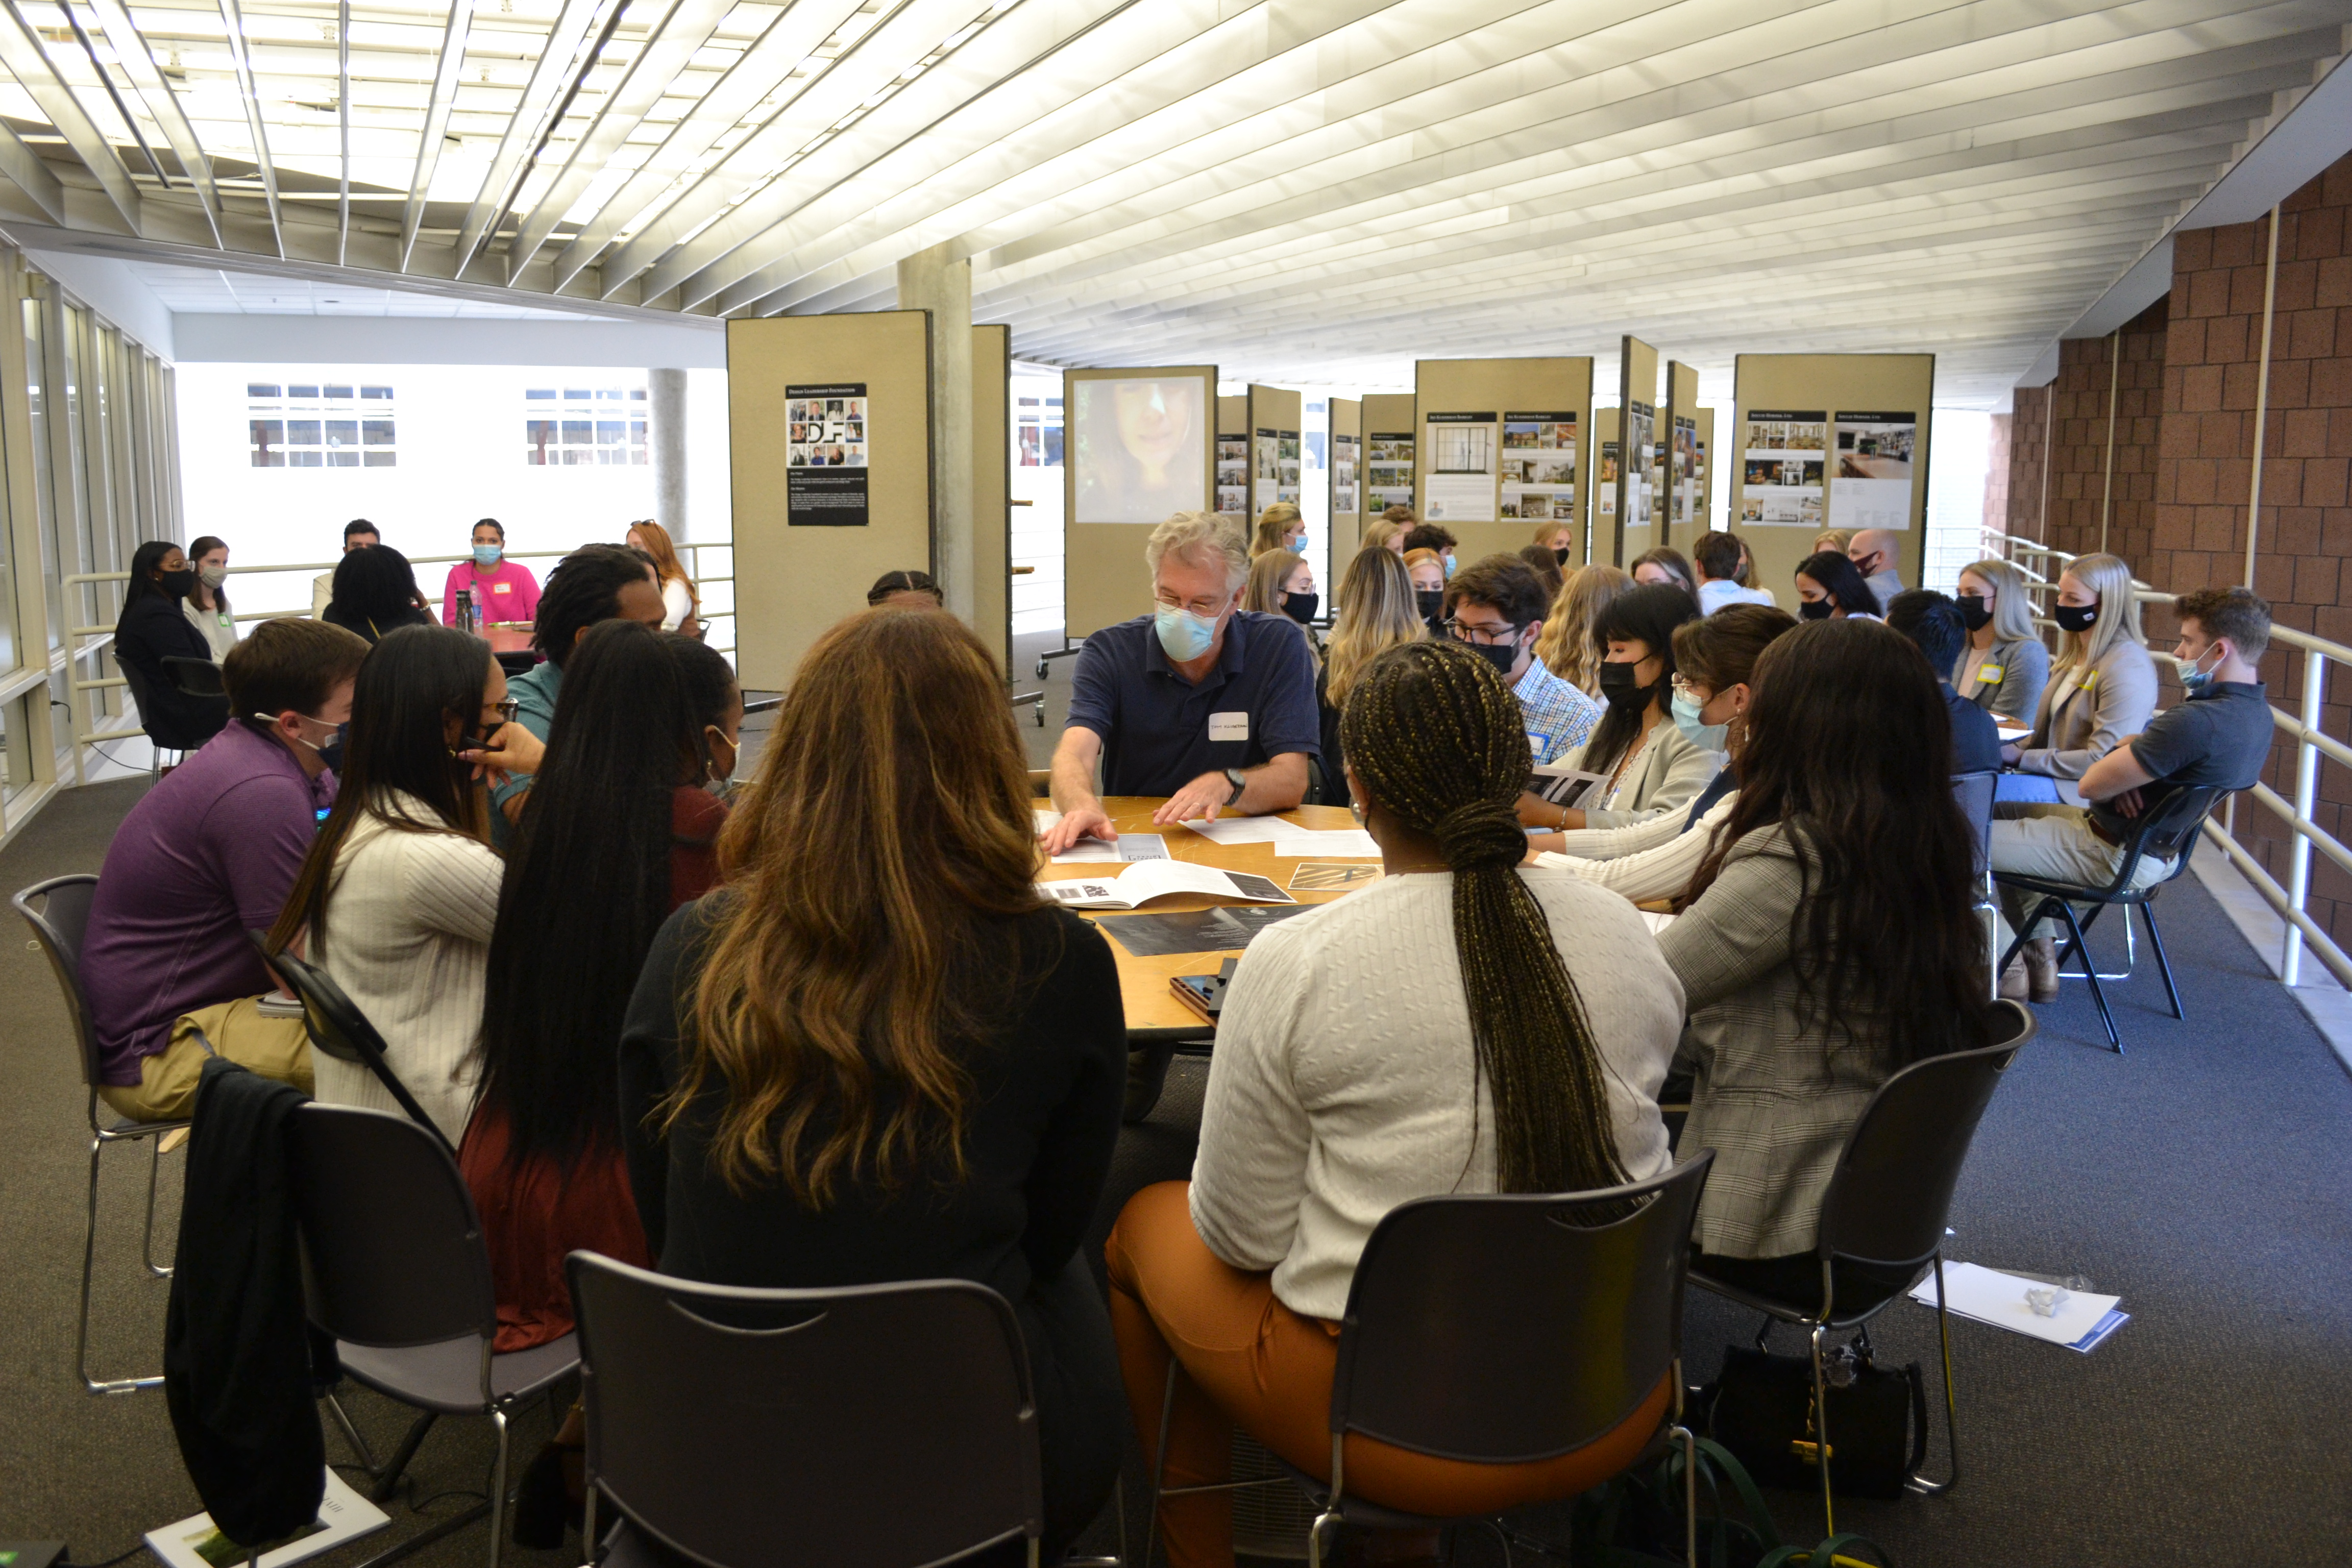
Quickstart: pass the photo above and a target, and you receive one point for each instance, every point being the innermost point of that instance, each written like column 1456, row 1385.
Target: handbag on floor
column 1760, row 1408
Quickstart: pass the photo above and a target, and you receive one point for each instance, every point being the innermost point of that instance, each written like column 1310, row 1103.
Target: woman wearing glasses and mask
column 1642, row 764
column 398, row 895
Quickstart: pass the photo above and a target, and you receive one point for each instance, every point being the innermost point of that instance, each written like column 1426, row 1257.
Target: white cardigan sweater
column 1341, row 1084
column 409, row 937
column 1652, row 859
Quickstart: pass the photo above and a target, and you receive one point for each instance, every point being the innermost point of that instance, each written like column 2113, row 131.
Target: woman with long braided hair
column 1462, row 1025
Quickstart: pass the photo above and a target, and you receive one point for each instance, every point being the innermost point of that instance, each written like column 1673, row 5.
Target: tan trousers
column 1250, row 1361
column 2056, row 844
column 166, row 1090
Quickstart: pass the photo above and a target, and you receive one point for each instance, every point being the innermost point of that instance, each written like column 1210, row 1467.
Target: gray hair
column 1194, row 537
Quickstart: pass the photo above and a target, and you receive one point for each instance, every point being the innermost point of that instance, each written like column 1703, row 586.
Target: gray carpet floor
column 2203, row 1176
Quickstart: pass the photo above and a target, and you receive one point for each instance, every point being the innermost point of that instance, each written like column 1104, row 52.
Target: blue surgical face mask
column 487, row 554
column 1448, row 560
column 1185, row 635
column 2197, row 681
column 1705, row 737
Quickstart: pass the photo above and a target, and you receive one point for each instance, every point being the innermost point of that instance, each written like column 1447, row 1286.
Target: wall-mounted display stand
column 1681, row 517
column 1830, row 441
column 829, row 435
column 1637, row 420
column 1139, row 445
column 1503, row 444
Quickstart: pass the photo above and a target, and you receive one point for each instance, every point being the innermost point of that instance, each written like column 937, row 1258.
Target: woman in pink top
column 503, row 590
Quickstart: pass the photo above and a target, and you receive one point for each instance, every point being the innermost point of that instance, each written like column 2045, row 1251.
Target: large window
column 578, row 428
column 320, row 425
column 1039, row 432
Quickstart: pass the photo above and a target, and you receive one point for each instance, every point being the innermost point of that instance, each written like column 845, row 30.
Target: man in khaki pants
column 206, row 855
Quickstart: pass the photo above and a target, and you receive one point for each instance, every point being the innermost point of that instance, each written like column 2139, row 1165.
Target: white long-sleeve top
column 1653, row 859
column 677, row 602
column 1342, row 1081
column 409, row 937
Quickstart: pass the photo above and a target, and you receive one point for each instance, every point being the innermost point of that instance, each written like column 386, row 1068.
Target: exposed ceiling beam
column 21, row 52
column 233, row 20
column 442, row 96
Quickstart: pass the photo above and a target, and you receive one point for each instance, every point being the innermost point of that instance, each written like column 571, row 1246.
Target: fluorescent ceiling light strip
column 147, row 77
column 21, row 52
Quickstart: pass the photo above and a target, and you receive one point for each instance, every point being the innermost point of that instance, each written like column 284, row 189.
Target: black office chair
column 171, row 730
column 195, row 676
column 515, row 664
column 867, row 1426
column 1551, row 1323
column 59, row 912
column 2167, row 831
column 338, row 1028
column 1886, row 1204
column 1974, row 792
column 397, row 1272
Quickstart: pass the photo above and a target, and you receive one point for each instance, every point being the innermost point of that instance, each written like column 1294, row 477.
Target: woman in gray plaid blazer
column 1826, row 942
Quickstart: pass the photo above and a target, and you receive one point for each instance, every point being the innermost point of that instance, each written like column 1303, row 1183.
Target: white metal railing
column 80, row 589
column 2042, row 565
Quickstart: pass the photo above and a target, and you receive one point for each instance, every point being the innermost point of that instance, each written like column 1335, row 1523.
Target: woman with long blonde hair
column 1279, row 527
column 877, row 1054
column 1566, row 645
column 681, row 604
column 2101, row 685
column 1375, row 611
column 2003, row 666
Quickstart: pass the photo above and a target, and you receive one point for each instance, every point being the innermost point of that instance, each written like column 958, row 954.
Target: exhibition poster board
column 1608, row 461
column 1345, row 476
column 1139, row 447
column 1705, row 519
column 1682, row 516
column 1503, row 443
column 1233, row 460
column 1637, row 404
column 1390, row 455
column 1830, row 441
column 829, row 436
column 1277, row 450
column 991, row 487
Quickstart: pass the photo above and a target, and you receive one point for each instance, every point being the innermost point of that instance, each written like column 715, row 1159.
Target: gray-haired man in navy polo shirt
column 1203, row 702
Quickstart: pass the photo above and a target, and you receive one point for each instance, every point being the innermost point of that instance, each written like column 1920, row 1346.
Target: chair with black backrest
column 1974, row 794
column 864, row 1426
column 397, row 1272
column 170, row 731
column 337, row 1026
column 195, row 676
column 59, row 912
column 518, row 663
column 1553, row 1324
column 1886, row 1204
column 2167, row 831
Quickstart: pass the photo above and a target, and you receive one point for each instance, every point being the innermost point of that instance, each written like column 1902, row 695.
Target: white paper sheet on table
column 1127, row 846
column 1148, row 879
column 1291, row 841
column 1989, row 1296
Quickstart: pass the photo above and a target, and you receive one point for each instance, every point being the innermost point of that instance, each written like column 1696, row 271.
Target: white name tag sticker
column 502, row 588
column 1229, row 726
column 1989, row 675
column 1537, row 741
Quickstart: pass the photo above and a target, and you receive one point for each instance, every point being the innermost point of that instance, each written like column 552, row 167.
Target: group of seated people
column 829, row 1033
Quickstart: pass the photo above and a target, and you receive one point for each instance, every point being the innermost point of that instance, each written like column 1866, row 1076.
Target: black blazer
column 151, row 629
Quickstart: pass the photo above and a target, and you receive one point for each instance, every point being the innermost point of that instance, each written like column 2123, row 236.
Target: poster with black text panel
column 825, row 455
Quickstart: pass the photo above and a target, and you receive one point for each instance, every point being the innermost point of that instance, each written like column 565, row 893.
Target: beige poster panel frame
column 791, row 584
column 1502, row 387
column 991, row 487
column 1681, row 517
column 1606, row 464
column 1637, row 404
column 1232, row 462
column 1828, row 384
column 1388, row 415
column 1347, row 415
column 1103, row 579
column 1706, row 461
column 1274, row 416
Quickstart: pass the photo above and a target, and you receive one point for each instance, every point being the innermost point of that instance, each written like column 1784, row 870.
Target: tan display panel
column 1103, row 579
column 1637, row 404
column 1274, row 416
column 1707, row 457
column 1231, row 458
column 1829, row 385
column 1681, row 518
column 991, row 487
column 1500, row 387
column 1347, row 416
column 1606, row 465
column 1389, row 414
column 791, row 584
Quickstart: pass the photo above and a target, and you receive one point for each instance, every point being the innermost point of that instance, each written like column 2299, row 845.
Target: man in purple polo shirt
column 206, row 856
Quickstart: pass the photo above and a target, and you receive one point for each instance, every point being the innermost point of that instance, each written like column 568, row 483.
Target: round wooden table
column 506, row 636
column 1154, row 1014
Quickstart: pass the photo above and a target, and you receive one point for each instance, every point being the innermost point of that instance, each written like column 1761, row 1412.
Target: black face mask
column 1621, row 687
column 1429, row 601
column 177, row 584
column 1815, row 609
column 2075, row 617
column 332, row 754
column 1975, row 614
column 1300, row 607
column 1560, row 555
column 1501, row 655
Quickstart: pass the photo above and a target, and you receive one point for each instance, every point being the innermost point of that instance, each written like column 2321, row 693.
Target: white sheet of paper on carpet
column 1989, row 1296
column 343, row 1515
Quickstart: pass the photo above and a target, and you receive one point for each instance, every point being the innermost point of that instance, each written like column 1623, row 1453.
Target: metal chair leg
column 1821, row 1432
column 1690, row 1489
column 498, row 1493
column 1159, row 1458
column 2078, row 944
column 1918, row 1482
column 389, row 1477
column 89, row 1266
column 2163, row 964
column 351, row 1434
column 147, row 1243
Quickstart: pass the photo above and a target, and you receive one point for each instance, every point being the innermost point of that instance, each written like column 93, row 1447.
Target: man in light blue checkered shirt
column 1497, row 606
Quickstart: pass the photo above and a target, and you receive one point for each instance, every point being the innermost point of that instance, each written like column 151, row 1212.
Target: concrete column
column 932, row 280
column 665, row 435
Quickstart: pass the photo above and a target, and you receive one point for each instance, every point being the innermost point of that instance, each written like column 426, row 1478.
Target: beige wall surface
column 992, row 488
column 1635, row 527
column 1103, row 579
column 1347, row 527
column 1503, row 387
column 1272, row 408
column 791, row 584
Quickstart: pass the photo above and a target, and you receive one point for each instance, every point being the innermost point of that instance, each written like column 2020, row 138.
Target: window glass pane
column 375, row 432
column 299, row 458
column 343, row 392
column 302, row 391
column 1053, row 446
column 578, row 432
column 383, row 460
column 44, row 506
column 302, row 432
column 257, row 389
column 383, row 392
column 342, row 432
column 343, row 457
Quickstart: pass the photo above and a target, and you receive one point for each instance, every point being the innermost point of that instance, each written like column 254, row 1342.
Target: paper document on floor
column 2077, row 1320
column 343, row 1515
column 1148, row 879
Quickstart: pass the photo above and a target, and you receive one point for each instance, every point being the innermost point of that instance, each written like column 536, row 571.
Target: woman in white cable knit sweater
column 397, row 898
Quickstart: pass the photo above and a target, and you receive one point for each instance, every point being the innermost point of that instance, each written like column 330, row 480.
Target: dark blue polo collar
column 1229, row 663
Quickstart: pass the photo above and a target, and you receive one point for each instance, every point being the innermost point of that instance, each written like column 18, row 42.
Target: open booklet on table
column 1148, row 879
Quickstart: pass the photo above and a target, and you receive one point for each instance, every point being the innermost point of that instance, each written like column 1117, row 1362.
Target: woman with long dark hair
column 398, row 896
column 1645, row 765
column 1829, row 586
column 1464, row 1026
column 374, row 593
column 877, row 1054
column 206, row 606
column 1826, row 942
column 153, row 627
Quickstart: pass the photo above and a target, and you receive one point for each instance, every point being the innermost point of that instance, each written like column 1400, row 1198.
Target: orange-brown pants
column 1249, row 1359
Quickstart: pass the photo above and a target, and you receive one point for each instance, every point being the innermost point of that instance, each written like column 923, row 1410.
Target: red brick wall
column 2086, row 488
column 1997, row 474
column 2029, row 453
